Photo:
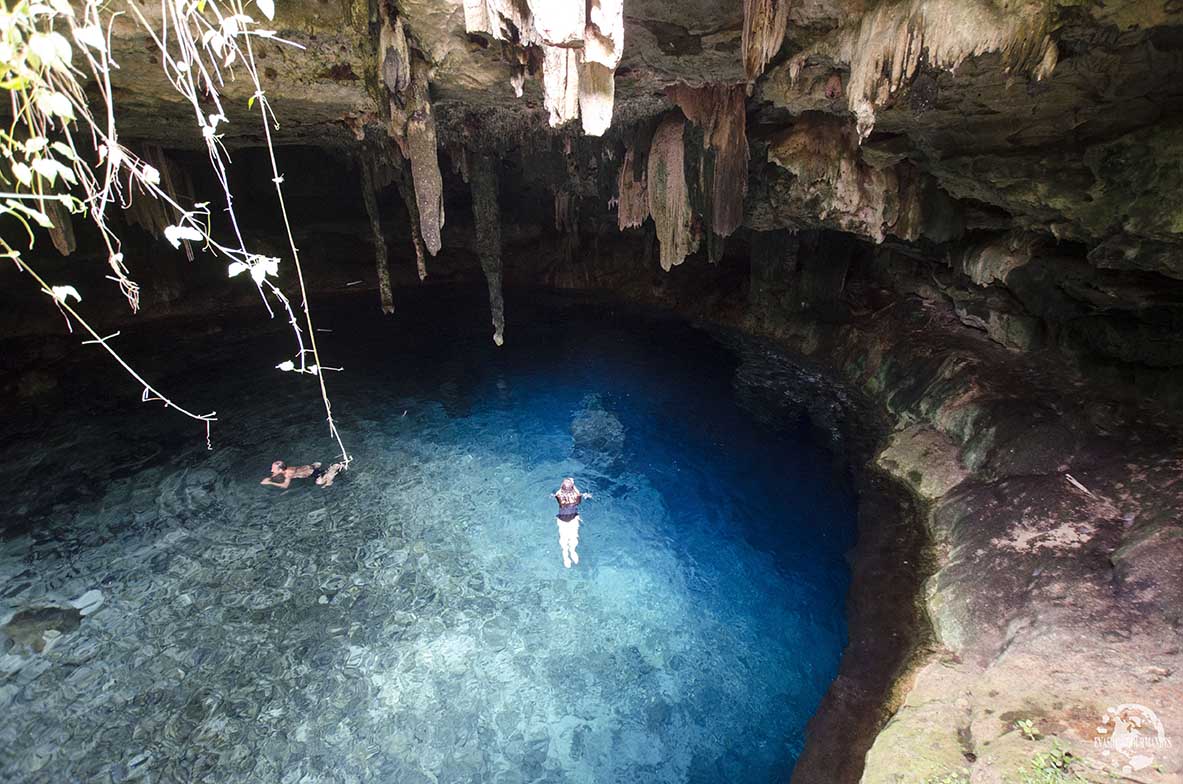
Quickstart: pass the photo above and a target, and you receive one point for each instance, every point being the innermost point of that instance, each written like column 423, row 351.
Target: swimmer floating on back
column 282, row 474
column 569, row 498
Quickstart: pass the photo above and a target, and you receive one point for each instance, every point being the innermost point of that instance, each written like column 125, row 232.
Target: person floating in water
column 282, row 474
column 569, row 498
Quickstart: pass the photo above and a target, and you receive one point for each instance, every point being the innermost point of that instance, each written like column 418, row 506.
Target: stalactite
column 597, row 92
column 603, row 40
column 603, row 46
column 155, row 216
column 147, row 213
column 698, row 163
column 425, row 162
column 764, row 26
column 669, row 201
column 567, row 225
column 559, row 22
column 406, row 189
column 176, row 180
column 503, row 20
column 720, row 111
column 518, row 80
column 581, row 43
column 560, row 80
column 369, row 195
column 487, row 222
column 632, row 180
column 460, row 160
column 562, row 202
column 412, row 124
column 890, row 42
column 62, row 232
column 632, row 204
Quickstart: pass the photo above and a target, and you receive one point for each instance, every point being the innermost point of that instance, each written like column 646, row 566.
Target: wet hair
column 280, row 464
column 567, row 493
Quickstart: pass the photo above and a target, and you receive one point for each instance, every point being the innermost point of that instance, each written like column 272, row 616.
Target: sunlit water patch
column 415, row 622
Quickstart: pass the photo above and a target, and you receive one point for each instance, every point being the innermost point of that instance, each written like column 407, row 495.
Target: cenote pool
column 415, row 623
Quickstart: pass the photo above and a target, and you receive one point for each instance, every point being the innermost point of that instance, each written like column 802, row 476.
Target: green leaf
column 51, row 170
column 64, row 150
column 23, row 174
column 40, row 217
column 54, row 104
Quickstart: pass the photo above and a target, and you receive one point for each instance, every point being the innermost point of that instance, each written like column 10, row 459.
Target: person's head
column 278, row 467
column 568, row 485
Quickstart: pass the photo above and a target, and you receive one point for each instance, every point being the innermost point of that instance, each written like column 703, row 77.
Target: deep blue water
column 415, row 621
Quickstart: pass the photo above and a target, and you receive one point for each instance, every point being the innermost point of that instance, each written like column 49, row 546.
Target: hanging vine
column 48, row 50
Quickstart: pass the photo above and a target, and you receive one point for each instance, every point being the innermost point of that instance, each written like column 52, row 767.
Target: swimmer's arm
column 287, row 481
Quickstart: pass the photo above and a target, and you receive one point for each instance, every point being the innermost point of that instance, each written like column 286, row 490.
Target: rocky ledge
column 1058, row 592
column 1055, row 588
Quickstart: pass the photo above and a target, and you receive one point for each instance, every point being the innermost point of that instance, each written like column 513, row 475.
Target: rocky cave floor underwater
column 414, row 622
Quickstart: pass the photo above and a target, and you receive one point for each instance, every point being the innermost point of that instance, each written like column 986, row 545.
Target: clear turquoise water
column 414, row 623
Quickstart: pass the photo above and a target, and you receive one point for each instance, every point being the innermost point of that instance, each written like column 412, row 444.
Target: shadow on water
column 415, row 621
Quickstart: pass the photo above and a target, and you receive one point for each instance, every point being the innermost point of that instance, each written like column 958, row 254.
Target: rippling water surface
column 415, row 623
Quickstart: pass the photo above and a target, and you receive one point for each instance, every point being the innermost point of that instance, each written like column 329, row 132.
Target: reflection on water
column 414, row 623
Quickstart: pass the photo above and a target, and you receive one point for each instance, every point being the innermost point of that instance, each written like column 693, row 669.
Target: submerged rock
column 38, row 629
column 598, row 434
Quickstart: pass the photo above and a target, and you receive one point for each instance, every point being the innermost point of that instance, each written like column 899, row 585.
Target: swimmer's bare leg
column 326, row 479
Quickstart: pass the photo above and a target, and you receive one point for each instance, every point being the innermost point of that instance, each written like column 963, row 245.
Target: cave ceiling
column 900, row 121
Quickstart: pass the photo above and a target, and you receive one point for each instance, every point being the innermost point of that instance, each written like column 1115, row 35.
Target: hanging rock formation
column 567, row 225
column 581, row 44
column 412, row 125
column 487, row 220
column 719, row 110
column 369, row 193
column 704, row 198
column 764, row 25
column 632, row 203
column 831, row 182
column 406, row 190
column 425, row 164
column 669, row 200
column 560, row 81
column 893, row 41
column 62, row 232
column 155, row 216
column 559, row 22
column 603, row 46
